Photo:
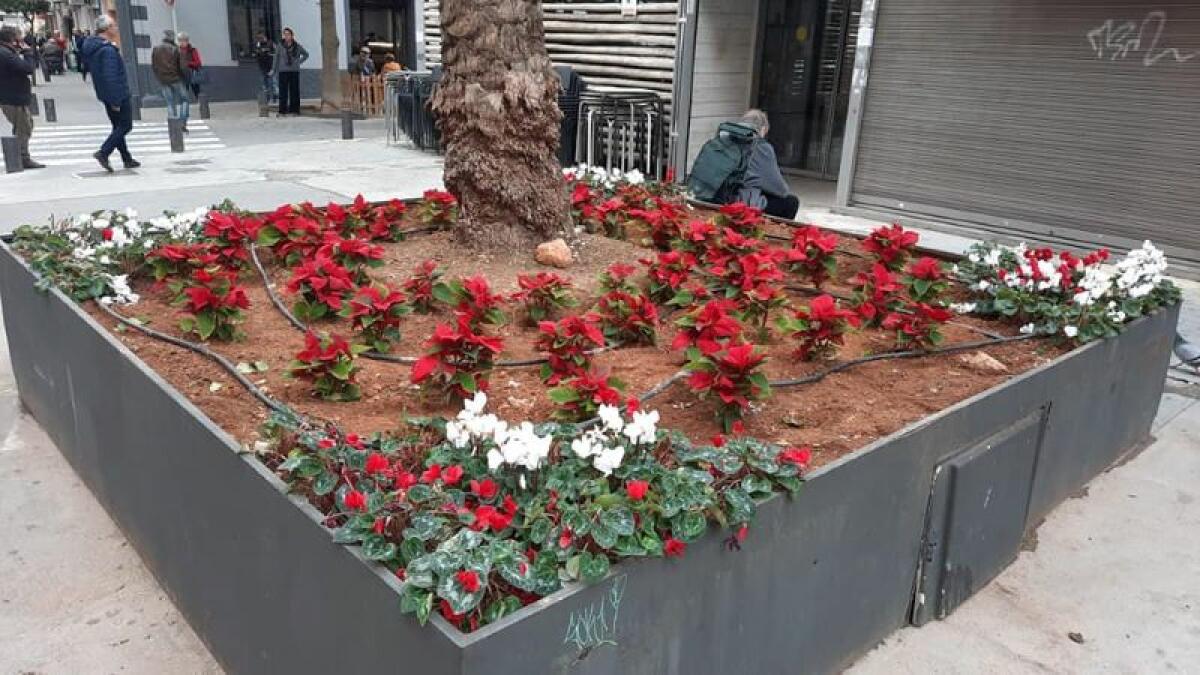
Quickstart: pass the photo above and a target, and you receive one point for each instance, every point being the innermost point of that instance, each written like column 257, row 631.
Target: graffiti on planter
column 596, row 624
column 1116, row 40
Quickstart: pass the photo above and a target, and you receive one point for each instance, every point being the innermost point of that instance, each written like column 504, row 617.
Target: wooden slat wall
column 609, row 50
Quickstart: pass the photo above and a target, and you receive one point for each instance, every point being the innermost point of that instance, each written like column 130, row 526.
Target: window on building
column 246, row 18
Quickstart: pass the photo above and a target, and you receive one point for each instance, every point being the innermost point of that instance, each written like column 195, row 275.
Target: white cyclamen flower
column 963, row 307
column 1028, row 329
column 643, row 428
column 1071, row 331
column 609, row 459
column 610, row 417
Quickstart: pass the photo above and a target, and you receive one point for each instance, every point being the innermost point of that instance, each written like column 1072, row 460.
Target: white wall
column 723, row 74
column 207, row 23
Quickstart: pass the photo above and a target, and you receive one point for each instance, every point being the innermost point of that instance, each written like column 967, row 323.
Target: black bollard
column 175, row 133
column 203, row 100
column 136, row 103
column 347, row 125
column 51, row 111
column 12, row 154
column 264, row 105
column 33, row 105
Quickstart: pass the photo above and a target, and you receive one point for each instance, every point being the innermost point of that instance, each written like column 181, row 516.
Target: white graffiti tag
column 1115, row 40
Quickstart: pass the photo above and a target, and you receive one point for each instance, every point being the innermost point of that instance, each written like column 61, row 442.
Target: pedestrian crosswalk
column 61, row 145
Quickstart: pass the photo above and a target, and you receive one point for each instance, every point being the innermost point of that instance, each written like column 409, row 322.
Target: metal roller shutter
column 1076, row 119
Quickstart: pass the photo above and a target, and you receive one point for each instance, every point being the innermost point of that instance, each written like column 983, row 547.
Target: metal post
column 136, row 103
column 175, row 133
column 13, row 162
column 347, row 125
column 202, row 99
column 51, row 111
column 264, row 105
column 34, row 109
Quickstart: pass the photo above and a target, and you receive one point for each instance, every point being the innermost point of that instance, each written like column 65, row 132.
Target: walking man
column 15, row 91
column 168, row 68
column 264, row 55
column 108, row 77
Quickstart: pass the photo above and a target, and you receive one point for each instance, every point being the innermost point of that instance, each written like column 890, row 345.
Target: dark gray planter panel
column 821, row 579
column 253, row 571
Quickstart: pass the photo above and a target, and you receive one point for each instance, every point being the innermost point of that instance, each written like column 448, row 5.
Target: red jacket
column 193, row 58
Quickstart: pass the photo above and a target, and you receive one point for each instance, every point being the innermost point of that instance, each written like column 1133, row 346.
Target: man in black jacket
column 16, row 90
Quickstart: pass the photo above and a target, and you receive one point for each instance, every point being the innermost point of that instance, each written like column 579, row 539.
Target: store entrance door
column 805, row 70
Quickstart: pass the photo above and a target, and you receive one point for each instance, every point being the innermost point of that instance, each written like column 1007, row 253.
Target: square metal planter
column 823, row 577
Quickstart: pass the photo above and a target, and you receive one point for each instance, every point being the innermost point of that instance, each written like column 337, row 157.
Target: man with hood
column 104, row 62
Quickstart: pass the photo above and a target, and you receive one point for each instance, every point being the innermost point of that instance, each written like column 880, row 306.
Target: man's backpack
column 720, row 168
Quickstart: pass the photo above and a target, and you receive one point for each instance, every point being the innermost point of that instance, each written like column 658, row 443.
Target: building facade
column 1074, row 122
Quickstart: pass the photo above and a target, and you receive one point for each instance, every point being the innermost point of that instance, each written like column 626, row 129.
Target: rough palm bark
column 331, row 76
column 497, row 109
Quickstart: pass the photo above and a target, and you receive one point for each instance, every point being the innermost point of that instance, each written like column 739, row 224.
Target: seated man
column 764, row 186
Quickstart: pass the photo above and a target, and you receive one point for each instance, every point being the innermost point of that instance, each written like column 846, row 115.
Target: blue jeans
column 122, row 123
column 268, row 86
column 178, row 103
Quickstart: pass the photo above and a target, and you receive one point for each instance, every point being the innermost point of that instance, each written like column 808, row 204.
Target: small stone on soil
column 983, row 363
column 555, row 253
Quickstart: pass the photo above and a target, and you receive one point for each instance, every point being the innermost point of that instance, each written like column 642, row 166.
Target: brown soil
column 844, row 412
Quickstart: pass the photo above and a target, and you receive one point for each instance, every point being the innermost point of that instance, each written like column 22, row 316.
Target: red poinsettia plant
column 733, row 376
column 926, row 280
column 376, row 312
column 812, row 254
column 419, row 286
column 668, row 272
column 178, row 260
column 230, row 232
column 293, row 233
column 473, row 298
column 708, row 327
column 657, row 224
column 891, row 245
column 459, row 359
column 568, row 344
column 580, row 397
column 818, row 327
column 322, row 286
column 876, row 293
column 618, row 277
column 328, row 362
column 743, row 219
column 917, row 325
column 354, row 254
column 627, row 319
column 543, row 294
column 214, row 308
column 437, row 208
column 384, row 222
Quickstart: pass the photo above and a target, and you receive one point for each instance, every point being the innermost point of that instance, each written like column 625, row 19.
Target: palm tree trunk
column 331, row 80
column 497, row 109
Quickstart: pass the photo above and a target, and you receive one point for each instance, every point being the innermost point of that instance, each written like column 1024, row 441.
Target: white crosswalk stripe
column 60, row 145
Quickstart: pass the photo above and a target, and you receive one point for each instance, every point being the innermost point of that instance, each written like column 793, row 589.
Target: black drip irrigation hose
column 846, row 365
column 210, row 354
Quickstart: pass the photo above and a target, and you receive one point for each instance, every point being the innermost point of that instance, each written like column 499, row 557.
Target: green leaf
column 593, row 568
column 261, row 366
column 377, row 547
column 563, row 395
column 411, row 549
column 741, row 506
column 325, row 483
column 442, row 292
column 689, row 526
column 420, row 493
column 423, row 526
column 753, row 484
column 618, row 519
column 415, row 600
column 206, row 323
column 573, row 564
column 539, row 532
column 604, row 536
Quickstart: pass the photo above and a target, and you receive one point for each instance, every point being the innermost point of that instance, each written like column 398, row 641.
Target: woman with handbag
column 190, row 57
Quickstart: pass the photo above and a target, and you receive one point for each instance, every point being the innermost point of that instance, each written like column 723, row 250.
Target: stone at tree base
column 983, row 363
column 555, row 253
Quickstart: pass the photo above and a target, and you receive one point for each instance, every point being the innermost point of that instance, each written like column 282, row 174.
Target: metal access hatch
column 976, row 516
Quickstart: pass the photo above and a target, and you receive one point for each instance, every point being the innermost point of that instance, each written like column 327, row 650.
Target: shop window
column 246, row 18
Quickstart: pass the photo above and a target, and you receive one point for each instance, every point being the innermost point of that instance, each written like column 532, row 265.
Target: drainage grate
column 192, row 162
column 185, row 169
